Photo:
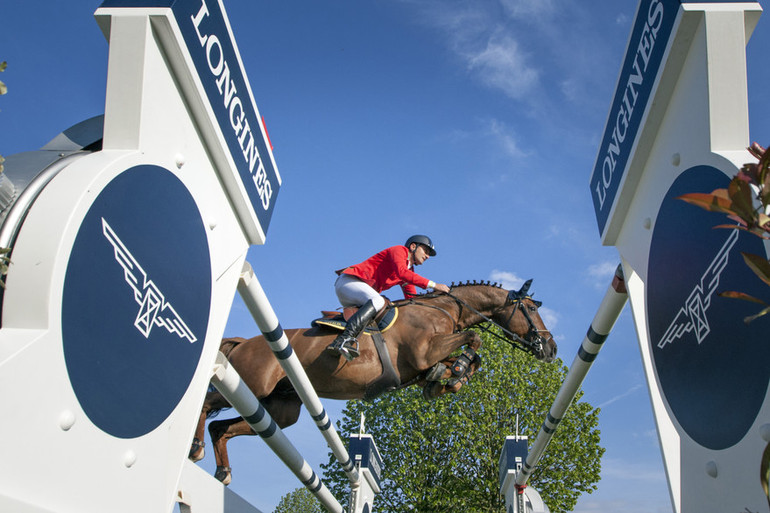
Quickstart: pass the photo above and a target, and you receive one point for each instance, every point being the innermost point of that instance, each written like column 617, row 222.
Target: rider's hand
column 441, row 287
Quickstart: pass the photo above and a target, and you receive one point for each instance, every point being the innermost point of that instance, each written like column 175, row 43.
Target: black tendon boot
column 346, row 344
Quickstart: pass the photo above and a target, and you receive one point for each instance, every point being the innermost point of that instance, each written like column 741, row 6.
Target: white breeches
column 353, row 292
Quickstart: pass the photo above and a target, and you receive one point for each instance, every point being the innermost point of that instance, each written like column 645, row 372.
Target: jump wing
column 692, row 316
column 132, row 271
column 154, row 310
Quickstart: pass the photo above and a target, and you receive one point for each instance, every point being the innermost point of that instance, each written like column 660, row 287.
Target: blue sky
column 476, row 123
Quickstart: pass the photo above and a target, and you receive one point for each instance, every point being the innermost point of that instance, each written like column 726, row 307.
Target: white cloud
column 570, row 88
column 505, row 138
column 502, row 65
column 618, row 397
column 483, row 42
column 550, row 317
column 528, row 8
column 604, row 270
column 508, row 280
column 512, row 281
column 613, row 468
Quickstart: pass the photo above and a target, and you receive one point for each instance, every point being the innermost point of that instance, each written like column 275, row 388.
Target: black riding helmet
column 424, row 240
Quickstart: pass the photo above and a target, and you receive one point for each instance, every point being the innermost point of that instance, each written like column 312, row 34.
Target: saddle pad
column 338, row 323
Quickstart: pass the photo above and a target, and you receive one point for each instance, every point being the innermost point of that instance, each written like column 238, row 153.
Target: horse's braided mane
column 454, row 285
column 474, row 282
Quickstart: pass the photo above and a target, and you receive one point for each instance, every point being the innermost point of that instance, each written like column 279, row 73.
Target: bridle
column 533, row 341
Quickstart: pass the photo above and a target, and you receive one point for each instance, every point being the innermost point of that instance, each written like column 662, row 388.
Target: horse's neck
column 482, row 300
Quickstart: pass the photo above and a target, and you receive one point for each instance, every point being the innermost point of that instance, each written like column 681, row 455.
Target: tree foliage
column 443, row 455
column 3, row 90
column 299, row 501
column 746, row 201
column 4, row 260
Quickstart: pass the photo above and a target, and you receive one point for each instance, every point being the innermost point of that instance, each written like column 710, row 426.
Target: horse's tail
column 225, row 347
column 212, row 414
column 228, row 344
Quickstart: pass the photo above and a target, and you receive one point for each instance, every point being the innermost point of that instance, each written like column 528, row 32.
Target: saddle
column 389, row 379
column 337, row 320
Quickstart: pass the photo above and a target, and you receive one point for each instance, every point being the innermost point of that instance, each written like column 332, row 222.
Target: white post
column 229, row 383
column 609, row 311
column 264, row 315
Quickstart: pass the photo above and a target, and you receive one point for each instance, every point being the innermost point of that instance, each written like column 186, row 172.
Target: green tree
column 299, row 501
column 443, row 455
column 4, row 260
column 3, row 90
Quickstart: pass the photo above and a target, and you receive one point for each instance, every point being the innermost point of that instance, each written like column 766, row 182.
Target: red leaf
column 759, row 265
column 740, row 295
column 742, row 196
column 711, row 202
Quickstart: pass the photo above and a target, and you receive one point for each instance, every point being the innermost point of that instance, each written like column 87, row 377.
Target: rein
column 487, row 328
column 412, row 301
column 514, row 298
column 515, row 340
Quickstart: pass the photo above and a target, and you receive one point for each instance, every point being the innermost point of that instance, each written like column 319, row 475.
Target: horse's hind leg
column 283, row 406
column 197, row 447
column 221, row 431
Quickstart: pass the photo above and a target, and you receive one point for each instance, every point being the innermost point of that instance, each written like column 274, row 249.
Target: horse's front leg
column 457, row 369
column 441, row 346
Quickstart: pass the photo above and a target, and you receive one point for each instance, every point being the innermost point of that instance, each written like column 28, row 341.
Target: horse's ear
column 524, row 288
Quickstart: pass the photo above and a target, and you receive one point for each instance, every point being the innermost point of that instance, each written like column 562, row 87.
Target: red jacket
column 387, row 268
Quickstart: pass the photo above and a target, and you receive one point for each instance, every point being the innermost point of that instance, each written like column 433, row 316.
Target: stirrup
column 347, row 348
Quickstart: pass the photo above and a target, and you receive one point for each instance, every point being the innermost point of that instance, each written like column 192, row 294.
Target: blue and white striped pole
column 259, row 306
column 229, row 383
column 609, row 310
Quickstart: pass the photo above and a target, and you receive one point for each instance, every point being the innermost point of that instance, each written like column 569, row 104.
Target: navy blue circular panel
column 712, row 366
column 136, row 301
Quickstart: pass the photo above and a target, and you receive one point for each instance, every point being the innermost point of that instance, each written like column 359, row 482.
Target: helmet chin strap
column 412, row 252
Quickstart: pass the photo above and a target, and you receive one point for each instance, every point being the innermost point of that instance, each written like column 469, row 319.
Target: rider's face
column 420, row 254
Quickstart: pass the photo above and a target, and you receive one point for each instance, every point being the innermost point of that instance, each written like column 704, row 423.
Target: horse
column 420, row 348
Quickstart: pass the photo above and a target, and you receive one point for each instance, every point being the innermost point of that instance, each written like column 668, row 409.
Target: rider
column 361, row 284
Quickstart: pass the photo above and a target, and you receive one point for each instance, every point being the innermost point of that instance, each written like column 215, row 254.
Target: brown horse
column 428, row 330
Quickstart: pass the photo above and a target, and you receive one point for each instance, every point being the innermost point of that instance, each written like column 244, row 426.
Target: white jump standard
column 678, row 124
column 517, row 461
column 129, row 234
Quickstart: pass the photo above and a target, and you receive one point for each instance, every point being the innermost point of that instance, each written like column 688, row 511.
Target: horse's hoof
column 432, row 390
column 436, row 372
column 197, row 451
column 224, row 475
column 454, row 385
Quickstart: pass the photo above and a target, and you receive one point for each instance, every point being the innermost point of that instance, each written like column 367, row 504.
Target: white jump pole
column 609, row 310
column 229, row 383
column 259, row 306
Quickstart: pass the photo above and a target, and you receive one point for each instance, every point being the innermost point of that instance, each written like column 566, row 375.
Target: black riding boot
column 346, row 344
